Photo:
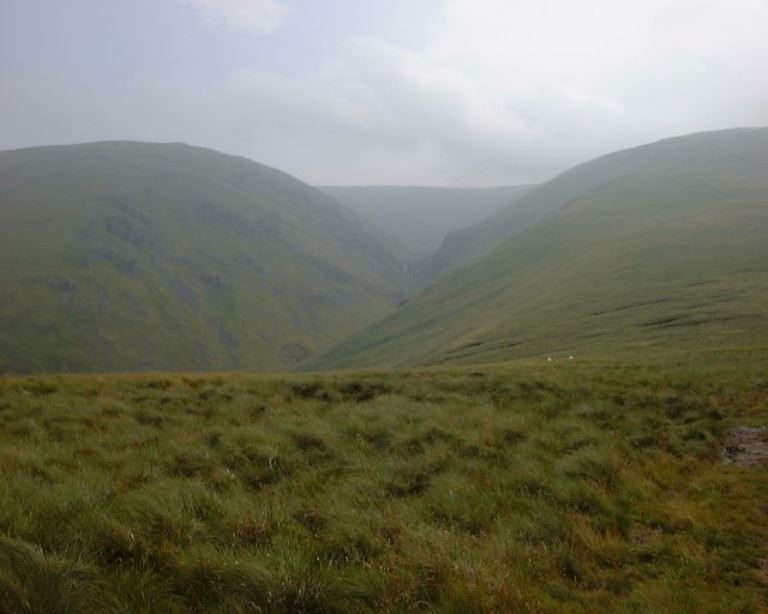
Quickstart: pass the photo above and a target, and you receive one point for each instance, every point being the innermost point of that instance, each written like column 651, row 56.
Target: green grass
column 668, row 251
column 534, row 487
column 137, row 256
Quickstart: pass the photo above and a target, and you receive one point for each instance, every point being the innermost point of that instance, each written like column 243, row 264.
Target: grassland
column 667, row 248
column 142, row 256
column 530, row 487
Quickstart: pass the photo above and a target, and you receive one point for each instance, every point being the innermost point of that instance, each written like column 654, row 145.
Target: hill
column 465, row 245
column 134, row 256
column 417, row 219
column 655, row 248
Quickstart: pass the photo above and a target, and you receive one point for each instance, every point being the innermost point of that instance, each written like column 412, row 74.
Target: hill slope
column 417, row 219
column 654, row 248
column 128, row 256
column 465, row 245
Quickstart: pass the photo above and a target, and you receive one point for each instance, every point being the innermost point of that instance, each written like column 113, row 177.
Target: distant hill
column 416, row 219
column 135, row 256
column 657, row 248
column 465, row 245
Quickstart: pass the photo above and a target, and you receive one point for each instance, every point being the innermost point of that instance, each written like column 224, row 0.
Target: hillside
column 416, row 219
column 463, row 246
column 135, row 256
column 660, row 247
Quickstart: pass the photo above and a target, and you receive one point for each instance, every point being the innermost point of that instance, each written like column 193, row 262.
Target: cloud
column 258, row 16
column 506, row 91
column 501, row 91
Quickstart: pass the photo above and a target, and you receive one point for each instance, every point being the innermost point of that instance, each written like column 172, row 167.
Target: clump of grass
column 363, row 391
column 249, row 533
column 309, row 441
column 312, row 390
column 312, row 520
column 33, row 581
column 408, row 484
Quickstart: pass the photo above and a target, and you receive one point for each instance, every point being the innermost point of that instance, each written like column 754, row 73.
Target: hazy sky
column 442, row 92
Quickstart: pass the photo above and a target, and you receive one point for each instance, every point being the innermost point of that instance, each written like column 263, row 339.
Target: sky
column 383, row 92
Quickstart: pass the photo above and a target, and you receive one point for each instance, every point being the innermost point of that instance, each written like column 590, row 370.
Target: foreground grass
column 525, row 488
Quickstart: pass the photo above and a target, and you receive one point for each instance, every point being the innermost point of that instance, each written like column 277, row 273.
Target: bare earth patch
column 746, row 446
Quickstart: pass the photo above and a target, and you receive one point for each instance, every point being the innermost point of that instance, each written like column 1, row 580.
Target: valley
column 565, row 412
column 449, row 306
column 656, row 249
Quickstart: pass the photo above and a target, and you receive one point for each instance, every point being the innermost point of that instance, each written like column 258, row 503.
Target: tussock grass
column 516, row 488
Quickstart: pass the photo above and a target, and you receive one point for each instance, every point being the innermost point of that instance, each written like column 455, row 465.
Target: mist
column 441, row 92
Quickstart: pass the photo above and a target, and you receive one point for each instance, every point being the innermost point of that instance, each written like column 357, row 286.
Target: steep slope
column 465, row 245
column 417, row 219
column 658, row 248
column 126, row 256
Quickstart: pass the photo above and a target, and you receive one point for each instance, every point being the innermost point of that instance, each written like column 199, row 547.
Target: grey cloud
column 260, row 16
column 501, row 93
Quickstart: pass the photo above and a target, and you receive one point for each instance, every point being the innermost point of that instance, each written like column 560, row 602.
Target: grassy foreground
column 536, row 487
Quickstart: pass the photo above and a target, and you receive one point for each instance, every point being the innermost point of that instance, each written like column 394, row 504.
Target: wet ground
column 746, row 446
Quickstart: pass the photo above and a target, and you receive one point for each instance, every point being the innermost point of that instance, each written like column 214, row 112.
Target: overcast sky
column 432, row 92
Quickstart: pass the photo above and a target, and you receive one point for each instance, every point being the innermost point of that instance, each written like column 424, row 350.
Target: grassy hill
column 135, row 256
column 656, row 248
column 463, row 246
column 416, row 219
